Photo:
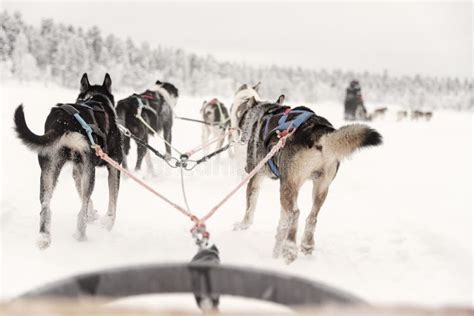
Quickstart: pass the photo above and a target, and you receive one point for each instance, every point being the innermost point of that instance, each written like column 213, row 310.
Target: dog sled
column 113, row 284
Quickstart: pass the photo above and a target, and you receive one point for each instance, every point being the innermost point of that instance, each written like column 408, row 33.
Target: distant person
column 354, row 108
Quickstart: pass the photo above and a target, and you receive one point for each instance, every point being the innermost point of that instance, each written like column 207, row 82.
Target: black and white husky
column 215, row 114
column 312, row 153
column 156, row 107
column 65, row 140
column 237, row 108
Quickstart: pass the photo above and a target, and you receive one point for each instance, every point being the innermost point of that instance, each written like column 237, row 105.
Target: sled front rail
column 118, row 283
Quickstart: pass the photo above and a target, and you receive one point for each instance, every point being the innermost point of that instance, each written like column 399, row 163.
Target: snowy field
column 395, row 228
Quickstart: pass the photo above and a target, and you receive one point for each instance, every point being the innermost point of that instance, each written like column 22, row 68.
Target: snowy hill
column 396, row 226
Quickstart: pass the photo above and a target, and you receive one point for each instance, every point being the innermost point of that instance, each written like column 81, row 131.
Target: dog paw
column 307, row 249
column 92, row 215
column 289, row 251
column 107, row 222
column 43, row 241
column 241, row 226
column 79, row 236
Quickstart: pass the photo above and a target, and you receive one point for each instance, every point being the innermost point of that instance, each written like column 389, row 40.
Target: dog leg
column 285, row 243
column 167, row 136
column 220, row 142
column 319, row 196
column 253, row 189
column 114, row 184
column 126, row 150
column 141, row 152
column 320, row 191
column 87, row 186
column 231, row 149
column 205, row 138
column 49, row 176
column 92, row 213
column 149, row 164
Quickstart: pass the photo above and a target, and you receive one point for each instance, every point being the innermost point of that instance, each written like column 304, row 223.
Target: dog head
column 101, row 93
column 244, row 97
column 211, row 111
column 169, row 92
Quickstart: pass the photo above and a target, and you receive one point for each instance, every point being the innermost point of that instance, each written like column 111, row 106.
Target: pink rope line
column 200, row 147
column 200, row 222
column 257, row 168
column 99, row 152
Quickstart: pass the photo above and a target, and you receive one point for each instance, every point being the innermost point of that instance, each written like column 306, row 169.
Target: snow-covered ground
column 396, row 227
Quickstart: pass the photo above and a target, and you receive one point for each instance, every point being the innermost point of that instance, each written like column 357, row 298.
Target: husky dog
column 401, row 115
column 241, row 97
column 156, row 108
column 377, row 114
column 418, row 115
column 313, row 153
column 428, row 116
column 64, row 141
column 215, row 114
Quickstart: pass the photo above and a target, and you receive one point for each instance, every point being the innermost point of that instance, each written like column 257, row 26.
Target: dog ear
column 158, row 82
column 107, row 83
column 203, row 106
column 257, row 86
column 85, row 83
column 242, row 87
column 281, row 99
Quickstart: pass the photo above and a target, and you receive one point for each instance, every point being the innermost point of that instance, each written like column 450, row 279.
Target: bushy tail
column 30, row 139
column 344, row 141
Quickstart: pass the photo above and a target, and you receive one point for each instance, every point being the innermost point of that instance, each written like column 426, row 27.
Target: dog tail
column 30, row 139
column 346, row 140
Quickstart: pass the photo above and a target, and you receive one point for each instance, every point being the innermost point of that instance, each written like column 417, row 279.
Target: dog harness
column 90, row 128
column 147, row 95
column 224, row 121
column 283, row 125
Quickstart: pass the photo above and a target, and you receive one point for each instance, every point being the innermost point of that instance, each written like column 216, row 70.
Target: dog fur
column 312, row 153
column 64, row 140
column 216, row 115
column 166, row 98
column 237, row 108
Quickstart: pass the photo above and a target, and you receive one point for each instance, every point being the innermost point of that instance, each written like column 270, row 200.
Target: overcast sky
column 404, row 38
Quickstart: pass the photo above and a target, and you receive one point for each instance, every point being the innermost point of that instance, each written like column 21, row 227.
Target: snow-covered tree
column 61, row 53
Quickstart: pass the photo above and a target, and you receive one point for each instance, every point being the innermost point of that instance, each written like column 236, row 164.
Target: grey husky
column 312, row 153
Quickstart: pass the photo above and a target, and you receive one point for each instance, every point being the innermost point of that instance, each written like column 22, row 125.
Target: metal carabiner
column 200, row 235
column 190, row 165
column 124, row 130
column 173, row 162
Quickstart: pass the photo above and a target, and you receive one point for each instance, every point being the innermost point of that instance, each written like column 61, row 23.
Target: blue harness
column 141, row 105
column 88, row 128
column 284, row 124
